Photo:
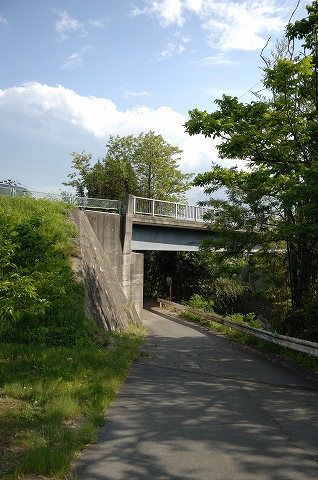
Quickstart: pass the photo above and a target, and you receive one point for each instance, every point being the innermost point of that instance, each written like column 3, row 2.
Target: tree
column 145, row 166
column 81, row 163
column 156, row 168
column 275, row 200
column 111, row 178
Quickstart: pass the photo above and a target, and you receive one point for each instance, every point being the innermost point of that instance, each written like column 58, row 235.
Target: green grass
column 58, row 372
column 53, row 399
column 38, row 292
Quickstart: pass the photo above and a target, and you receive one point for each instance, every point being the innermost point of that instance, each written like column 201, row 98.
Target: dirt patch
column 75, row 423
column 11, row 443
column 35, row 477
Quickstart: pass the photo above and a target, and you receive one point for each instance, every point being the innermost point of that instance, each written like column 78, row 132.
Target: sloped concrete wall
column 114, row 234
column 107, row 228
column 106, row 301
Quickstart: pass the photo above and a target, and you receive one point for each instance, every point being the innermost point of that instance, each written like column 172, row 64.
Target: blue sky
column 74, row 72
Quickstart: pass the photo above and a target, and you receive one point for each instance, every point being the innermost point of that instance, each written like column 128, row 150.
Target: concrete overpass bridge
column 159, row 225
column 111, row 262
column 111, row 239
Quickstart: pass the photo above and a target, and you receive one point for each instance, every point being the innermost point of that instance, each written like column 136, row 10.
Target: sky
column 74, row 72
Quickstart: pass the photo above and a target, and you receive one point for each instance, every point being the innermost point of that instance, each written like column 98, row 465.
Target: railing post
column 153, row 207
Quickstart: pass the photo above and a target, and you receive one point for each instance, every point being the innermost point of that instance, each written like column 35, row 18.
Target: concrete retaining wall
column 114, row 234
column 107, row 228
column 267, row 312
column 99, row 265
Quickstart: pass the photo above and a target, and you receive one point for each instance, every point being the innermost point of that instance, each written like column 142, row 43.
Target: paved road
column 196, row 407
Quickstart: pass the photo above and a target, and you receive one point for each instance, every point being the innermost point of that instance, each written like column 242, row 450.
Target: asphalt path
column 197, row 407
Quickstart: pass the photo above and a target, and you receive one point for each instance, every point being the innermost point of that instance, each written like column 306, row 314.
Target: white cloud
column 215, row 59
column 170, row 49
column 167, row 52
column 100, row 23
column 194, row 5
column 76, row 60
column 242, row 26
column 66, row 24
column 42, row 125
column 167, row 11
column 228, row 24
column 144, row 93
column 183, row 38
column 4, row 24
column 3, row 21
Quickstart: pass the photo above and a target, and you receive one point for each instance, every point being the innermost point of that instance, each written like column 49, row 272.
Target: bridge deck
column 168, row 222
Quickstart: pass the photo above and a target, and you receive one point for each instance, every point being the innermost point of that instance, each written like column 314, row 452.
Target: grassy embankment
column 58, row 372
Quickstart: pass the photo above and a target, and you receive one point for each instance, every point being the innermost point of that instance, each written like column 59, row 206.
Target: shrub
column 197, row 302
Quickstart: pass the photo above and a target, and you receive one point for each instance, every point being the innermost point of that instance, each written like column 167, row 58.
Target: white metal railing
column 163, row 208
column 113, row 206
column 297, row 344
column 13, row 192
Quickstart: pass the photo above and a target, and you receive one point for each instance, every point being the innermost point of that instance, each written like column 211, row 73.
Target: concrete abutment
column 112, row 273
column 114, row 265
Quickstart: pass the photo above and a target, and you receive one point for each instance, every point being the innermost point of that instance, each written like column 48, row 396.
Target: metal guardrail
column 163, row 208
column 113, row 206
column 297, row 344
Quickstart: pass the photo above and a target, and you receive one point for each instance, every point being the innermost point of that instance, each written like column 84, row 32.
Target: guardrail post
column 153, row 207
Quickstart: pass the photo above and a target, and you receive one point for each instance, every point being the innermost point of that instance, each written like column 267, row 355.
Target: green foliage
column 225, row 290
column 78, row 179
column 111, row 178
column 40, row 301
column 155, row 163
column 247, row 319
column 19, row 294
column 145, row 166
column 206, row 274
column 198, row 303
column 302, row 323
column 188, row 275
column 274, row 203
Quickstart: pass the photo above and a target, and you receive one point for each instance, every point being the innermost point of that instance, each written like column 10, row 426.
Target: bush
column 198, row 303
column 225, row 290
column 302, row 323
column 248, row 319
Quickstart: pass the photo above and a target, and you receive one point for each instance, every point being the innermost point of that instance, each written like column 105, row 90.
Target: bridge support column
column 133, row 263
column 114, row 233
column 105, row 299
